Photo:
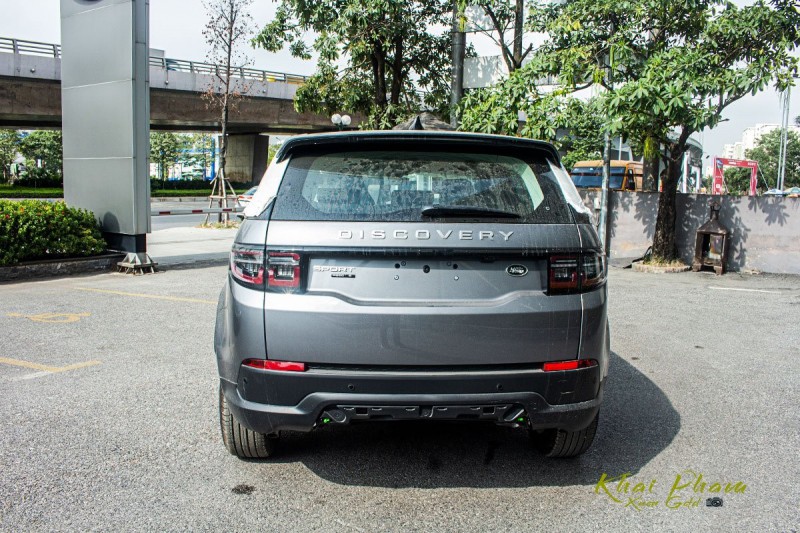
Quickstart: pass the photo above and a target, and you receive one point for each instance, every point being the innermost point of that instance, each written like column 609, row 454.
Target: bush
column 158, row 185
column 35, row 229
column 39, row 182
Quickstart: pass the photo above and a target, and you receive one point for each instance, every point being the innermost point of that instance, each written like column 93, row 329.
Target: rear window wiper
column 466, row 211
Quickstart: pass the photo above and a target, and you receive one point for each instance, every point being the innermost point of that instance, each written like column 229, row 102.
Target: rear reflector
column 269, row 364
column 556, row 366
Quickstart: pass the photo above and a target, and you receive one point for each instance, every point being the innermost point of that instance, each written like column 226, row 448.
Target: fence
column 19, row 46
column 765, row 231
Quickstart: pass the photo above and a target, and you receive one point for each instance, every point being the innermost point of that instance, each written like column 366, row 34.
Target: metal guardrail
column 196, row 67
column 204, row 211
column 20, row 46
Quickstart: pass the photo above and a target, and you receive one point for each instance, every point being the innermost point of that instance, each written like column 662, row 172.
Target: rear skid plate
column 499, row 414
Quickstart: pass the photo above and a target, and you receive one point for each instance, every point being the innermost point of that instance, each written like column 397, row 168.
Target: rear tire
column 561, row 443
column 239, row 440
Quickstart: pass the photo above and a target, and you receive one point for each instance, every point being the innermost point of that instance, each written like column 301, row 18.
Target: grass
column 659, row 262
column 220, row 225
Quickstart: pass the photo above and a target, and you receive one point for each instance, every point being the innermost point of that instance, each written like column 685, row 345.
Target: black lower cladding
column 269, row 401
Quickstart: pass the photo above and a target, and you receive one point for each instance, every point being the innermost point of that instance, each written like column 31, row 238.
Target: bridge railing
column 196, row 67
column 20, row 46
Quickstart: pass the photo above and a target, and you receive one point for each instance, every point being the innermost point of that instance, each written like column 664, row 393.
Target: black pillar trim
column 120, row 242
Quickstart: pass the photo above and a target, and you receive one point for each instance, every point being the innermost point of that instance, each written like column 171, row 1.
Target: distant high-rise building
column 750, row 137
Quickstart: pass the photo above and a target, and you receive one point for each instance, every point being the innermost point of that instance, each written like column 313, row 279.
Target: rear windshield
column 394, row 185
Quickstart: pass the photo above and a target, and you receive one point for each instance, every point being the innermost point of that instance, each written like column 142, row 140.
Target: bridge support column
column 247, row 159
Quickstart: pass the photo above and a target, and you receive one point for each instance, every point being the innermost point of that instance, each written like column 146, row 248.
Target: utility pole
column 784, row 139
column 602, row 228
column 459, row 38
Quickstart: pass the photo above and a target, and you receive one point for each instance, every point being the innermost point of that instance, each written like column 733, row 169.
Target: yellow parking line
column 46, row 368
column 152, row 296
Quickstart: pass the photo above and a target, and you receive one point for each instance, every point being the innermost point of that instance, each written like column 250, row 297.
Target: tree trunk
column 650, row 169
column 379, row 74
column 519, row 19
column 664, row 247
column 397, row 70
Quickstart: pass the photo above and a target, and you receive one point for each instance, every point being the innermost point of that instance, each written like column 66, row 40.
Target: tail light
column 247, row 265
column 283, row 269
column 269, row 364
column 556, row 366
column 575, row 273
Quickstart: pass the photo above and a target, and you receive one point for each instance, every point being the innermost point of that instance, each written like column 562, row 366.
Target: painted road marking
column 152, row 296
column 53, row 318
column 46, row 368
column 742, row 290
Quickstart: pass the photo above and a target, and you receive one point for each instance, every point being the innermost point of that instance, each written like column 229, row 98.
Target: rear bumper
column 268, row 401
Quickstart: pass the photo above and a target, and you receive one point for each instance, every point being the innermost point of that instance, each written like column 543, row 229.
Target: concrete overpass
column 30, row 94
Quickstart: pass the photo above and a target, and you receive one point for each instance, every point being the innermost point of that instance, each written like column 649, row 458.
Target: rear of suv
column 390, row 276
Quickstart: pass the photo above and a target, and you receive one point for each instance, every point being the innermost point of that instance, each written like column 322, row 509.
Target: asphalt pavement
column 108, row 421
column 178, row 221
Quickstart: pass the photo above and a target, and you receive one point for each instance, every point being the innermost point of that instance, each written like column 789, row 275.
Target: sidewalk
column 187, row 245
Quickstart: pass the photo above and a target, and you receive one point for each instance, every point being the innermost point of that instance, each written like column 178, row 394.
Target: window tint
column 593, row 177
column 394, row 185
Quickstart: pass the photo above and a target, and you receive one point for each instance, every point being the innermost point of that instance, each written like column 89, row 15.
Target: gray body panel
column 380, row 305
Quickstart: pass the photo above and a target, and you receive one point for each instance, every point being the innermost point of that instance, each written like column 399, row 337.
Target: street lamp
column 341, row 121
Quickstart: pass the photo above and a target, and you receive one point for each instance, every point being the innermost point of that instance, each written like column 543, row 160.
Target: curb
column 59, row 267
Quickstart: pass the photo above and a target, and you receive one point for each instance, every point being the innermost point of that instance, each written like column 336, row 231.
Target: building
column 750, row 137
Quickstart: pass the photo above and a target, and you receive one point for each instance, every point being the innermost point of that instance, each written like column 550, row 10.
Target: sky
column 176, row 27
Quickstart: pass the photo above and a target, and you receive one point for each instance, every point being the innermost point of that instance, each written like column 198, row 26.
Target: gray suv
column 413, row 275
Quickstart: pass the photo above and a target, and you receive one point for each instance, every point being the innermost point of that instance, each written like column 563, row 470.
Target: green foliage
column 198, row 149
column 42, row 146
column 737, row 180
column 670, row 69
column 172, row 185
column 573, row 125
column 165, row 150
column 579, row 154
column 766, row 153
column 33, row 229
column 9, row 145
column 7, row 191
column 372, row 55
column 272, row 150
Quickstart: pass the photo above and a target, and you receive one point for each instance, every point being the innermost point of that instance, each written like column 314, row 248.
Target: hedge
column 34, row 229
column 158, row 185
column 15, row 192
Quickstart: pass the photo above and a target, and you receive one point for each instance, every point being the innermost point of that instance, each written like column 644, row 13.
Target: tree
column 373, row 55
column 731, row 52
column 165, row 150
column 43, row 154
column 199, row 150
column 503, row 22
column 229, row 26
column 669, row 68
column 9, row 146
column 766, row 153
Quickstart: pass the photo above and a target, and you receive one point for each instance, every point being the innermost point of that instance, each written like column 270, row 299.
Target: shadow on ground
column 637, row 422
